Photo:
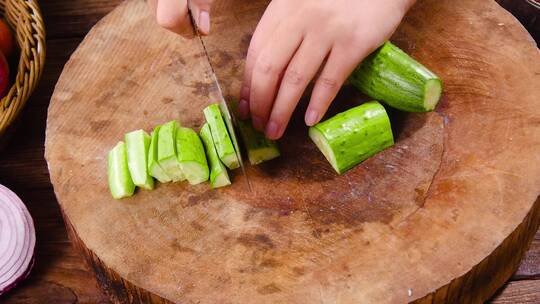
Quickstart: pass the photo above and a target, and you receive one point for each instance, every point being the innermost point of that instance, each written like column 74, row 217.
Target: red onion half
column 17, row 240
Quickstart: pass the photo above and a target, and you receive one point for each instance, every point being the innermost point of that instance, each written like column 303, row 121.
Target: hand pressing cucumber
column 294, row 40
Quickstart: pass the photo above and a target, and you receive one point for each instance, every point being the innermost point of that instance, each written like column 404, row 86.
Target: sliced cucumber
column 259, row 148
column 220, row 135
column 167, row 151
column 154, row 168
column 353, row 136
column 191, row 156
column 137, row 144
column 392, row 76
column 120, row 183
column 218, row 172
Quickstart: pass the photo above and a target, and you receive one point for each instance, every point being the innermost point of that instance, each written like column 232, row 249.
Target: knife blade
column 228, row 117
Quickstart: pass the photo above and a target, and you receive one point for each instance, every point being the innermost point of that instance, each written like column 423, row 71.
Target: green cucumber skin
column 154, row 169
column 137, row 144
column 356, row 134
column 167, row 151
column 190, row 150
column 259, row 148
column 392, row 76
column 120, row 183
column 220, row 135
column 218, row 171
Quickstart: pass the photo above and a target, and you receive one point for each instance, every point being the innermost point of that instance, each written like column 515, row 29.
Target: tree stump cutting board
column 443, row 216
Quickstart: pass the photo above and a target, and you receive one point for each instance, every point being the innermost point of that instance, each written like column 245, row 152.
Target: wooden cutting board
column 443, row 216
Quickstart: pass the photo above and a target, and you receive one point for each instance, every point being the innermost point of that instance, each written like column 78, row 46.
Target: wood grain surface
column 60, row 275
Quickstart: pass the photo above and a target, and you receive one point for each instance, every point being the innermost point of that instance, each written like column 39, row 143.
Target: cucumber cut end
column 322, row 143
column 432, row 94
column 148, row 184
column 158, row 172
column 120, row 182
column 221, row 180
column 231, row 161
column 172, row 169
column 194, row 172
column 263, row 154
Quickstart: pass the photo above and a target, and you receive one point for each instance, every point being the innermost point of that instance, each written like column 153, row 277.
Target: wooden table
column 60, row 275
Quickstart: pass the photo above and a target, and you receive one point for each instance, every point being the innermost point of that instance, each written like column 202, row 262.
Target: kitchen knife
column 224, row 106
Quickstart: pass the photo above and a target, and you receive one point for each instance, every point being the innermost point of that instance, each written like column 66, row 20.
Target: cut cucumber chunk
column 220, row 135
column 167, row 151
column 353, row 136
column 218, row 172
column 191, row 156
column 120, row 183
column 154, row 168
column 391, row 76
column 137, row 144
column 259, row 148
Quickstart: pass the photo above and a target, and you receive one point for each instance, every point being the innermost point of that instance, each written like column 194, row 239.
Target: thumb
column 172, row 15
column 201, row 14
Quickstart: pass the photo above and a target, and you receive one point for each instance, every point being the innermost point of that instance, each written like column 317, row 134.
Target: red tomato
column 4, row 75
column 6, row 39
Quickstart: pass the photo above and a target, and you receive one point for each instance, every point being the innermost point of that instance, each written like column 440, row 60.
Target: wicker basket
column 24, row 17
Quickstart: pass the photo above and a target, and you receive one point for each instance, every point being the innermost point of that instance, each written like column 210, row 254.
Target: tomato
column 6, row 39
column 4, row 75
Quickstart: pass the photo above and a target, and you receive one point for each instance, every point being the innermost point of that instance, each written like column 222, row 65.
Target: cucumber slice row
column 353, row 136
column 392, row 76
column 167, row 151
column 259, row 148
column 218, row 172
column 120, row 183
column 191, row 156
column 137, row 144
column 220, row 135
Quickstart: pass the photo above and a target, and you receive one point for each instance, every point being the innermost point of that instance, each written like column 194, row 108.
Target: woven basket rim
column 26, row 22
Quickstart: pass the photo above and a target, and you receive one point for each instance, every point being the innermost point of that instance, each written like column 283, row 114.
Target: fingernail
column 312, row 117
column 243, row 108
column 272, row 130
column 204, row 22
column 257, row 123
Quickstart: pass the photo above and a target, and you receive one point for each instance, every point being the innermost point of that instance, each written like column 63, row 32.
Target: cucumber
column 220, row 135
column 353, row 136
column 167, row 151
column 154, row 169
column 218, row 172
column 191, row 156
column 120, row 183
column 137, row 144
column 391, row 76
column 259, row 148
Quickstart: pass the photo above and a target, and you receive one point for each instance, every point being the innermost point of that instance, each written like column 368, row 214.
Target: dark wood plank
column 526, row 13
column 60, row 274
column 530, row 265
column 66, row 19
column 521, row 292
column 22, row 163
